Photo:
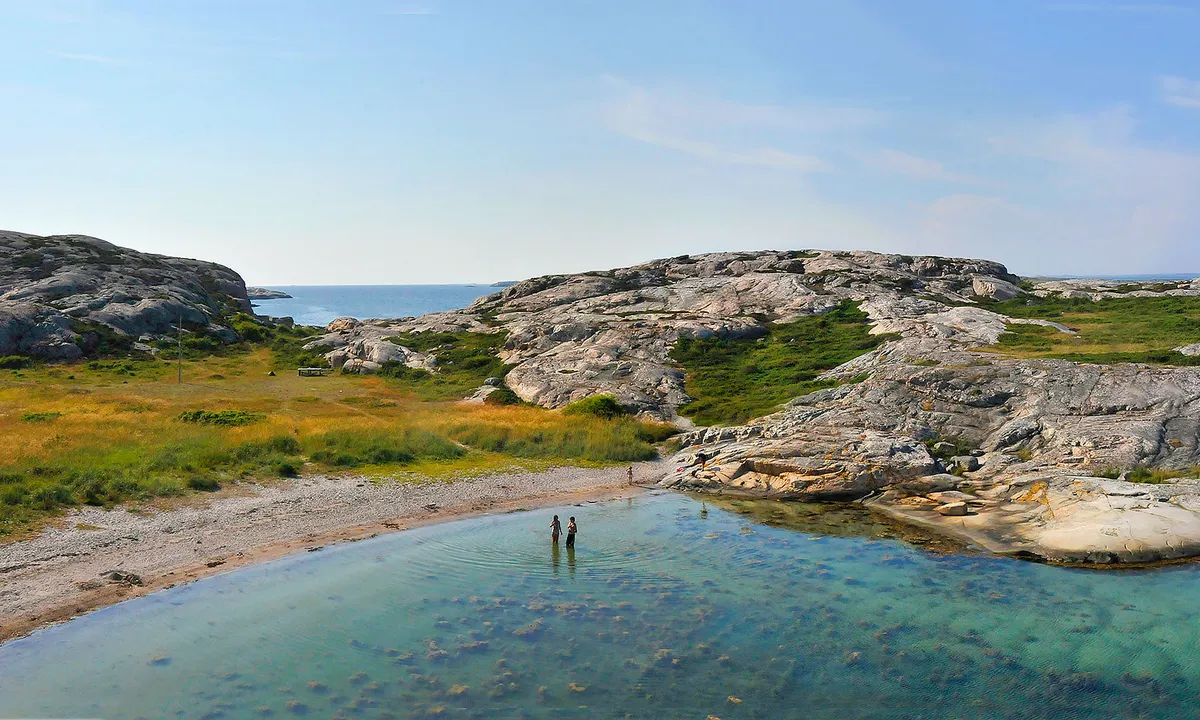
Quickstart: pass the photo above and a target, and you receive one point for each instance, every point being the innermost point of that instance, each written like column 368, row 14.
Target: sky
column 393, row 142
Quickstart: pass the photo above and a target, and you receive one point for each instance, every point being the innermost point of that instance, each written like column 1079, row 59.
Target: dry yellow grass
column 106, row 432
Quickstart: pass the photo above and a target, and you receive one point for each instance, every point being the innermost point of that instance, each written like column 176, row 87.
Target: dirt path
column 96, row 557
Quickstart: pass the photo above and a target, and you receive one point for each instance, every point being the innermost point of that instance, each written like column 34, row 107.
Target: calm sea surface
column 320, row 304
column 668, row 608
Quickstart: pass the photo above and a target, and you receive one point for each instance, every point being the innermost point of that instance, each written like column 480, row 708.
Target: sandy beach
column 94, row 557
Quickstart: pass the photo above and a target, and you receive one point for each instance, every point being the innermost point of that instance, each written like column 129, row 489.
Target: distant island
column 257, row 293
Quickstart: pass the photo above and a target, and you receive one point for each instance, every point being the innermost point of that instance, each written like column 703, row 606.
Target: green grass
column 593, row 440
column 352, row 449
column 1112, row 330
column 463, row 361
column 734, row 380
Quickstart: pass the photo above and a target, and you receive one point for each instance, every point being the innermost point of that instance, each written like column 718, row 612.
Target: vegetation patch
column 351, row 449
column 15, row 362
column 1149, row 475
column 503, row 395
column 229, row 418
column 462, row 361
column 734, row 380
column 601, row 406
column 590, row 439
column 1111, row 330
column 41, row 417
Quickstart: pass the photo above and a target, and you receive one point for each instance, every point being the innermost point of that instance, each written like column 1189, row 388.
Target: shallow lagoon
column 670, row 607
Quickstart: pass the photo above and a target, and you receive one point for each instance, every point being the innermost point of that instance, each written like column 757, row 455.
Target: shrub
column 228, row 418
column 502, row 395
column 40, row 417
column 601, row 406
column 15, row 362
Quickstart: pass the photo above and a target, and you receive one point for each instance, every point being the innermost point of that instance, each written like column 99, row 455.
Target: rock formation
column 936, row 400
column 60, row 294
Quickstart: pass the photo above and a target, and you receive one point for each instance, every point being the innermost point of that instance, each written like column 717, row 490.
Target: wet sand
column 68, row 569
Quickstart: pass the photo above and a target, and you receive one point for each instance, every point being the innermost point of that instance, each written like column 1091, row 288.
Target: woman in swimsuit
column 555, row 529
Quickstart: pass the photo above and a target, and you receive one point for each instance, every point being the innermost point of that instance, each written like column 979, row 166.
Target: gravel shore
column 97, row 557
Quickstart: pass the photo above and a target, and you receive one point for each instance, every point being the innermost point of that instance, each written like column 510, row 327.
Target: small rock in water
column 296, row 707
column 953, row 509
column 160, row 660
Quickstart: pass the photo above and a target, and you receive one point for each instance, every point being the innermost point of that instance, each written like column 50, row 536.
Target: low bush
column 601, row 406
column 502, row 395
column 15, row 362
column 228, row 418
column 40, row 417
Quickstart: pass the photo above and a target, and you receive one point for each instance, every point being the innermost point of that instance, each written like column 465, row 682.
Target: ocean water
column 320, row 304
column 670, row 607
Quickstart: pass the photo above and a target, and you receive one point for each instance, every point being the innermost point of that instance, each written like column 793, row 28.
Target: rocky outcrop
column 570, row 336
column 60, row 294
column 933, row 421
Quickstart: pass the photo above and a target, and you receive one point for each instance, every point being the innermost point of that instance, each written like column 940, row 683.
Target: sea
column 321, row 304
column 670, row 606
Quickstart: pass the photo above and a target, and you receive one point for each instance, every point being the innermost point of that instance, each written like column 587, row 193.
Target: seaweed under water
column 670, row 607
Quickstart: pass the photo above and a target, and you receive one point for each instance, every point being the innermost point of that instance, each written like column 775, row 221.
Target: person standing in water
column 555, row 529
column 571, row 528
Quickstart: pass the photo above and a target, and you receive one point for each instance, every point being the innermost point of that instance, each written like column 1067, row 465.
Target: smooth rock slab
column 1072, row 519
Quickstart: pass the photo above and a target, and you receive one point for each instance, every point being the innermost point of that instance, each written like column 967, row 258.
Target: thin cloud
column 726, row 132
column 898, row 162
column 1180, row 91
column 94, row 59
column 1159, row 9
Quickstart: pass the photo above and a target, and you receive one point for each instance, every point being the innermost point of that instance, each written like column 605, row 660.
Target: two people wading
column 556, row 531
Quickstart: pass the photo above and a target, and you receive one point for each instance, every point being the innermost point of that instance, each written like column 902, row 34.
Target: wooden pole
column 179, row 364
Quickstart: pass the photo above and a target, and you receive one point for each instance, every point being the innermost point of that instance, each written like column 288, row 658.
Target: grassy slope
column 1110, row 331
column 735, row 380
column 110, row 431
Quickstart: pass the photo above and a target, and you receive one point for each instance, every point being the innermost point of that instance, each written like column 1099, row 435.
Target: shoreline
column 63, row 572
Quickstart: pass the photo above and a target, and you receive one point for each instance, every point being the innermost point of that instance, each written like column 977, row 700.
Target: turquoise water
column 668, row 608
column 321, row 304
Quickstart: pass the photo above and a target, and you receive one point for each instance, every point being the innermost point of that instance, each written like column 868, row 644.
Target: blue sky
column 380, row 141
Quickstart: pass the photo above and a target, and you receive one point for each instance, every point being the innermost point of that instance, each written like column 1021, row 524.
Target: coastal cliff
column 61, row 296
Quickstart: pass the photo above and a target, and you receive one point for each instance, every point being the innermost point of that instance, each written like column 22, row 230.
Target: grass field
column 734, row 380
column 118, row 430
column 1109, row 331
